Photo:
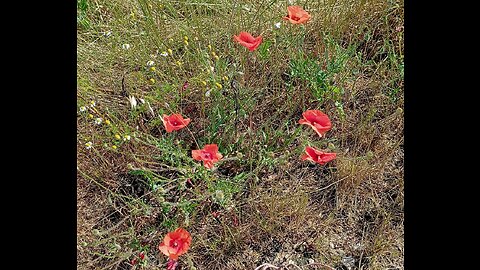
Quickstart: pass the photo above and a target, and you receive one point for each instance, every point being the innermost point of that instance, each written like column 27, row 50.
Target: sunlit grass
column 140, row 60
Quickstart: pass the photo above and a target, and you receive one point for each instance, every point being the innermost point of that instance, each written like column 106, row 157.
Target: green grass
column 273, row 208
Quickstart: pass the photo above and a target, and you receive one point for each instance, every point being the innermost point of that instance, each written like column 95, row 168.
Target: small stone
column 348, row 261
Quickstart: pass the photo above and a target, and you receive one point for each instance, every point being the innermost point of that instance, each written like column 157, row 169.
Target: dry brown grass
column 347, row 214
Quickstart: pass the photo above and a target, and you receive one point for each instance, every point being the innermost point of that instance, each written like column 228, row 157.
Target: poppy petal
column 305, row 156
column 312, row 153
column 197, row 154
column 208, row 164
column 247, row 37
column 213, row 148
column 247, row 40
column 173, row 256
column 164, row 249
column 186, row 121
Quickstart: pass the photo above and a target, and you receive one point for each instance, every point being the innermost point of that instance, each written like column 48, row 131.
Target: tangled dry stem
column 268, row 266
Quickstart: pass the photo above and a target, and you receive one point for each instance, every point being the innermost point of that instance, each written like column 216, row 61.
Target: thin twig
column 263, row 266
column 292, row 264
column 324, row 265
column 333, row 183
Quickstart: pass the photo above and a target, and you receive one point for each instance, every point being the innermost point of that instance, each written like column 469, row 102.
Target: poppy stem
column 193, row 136
column 295, row 134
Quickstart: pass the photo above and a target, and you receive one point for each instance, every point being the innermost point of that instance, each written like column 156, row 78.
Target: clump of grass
column 260, row 204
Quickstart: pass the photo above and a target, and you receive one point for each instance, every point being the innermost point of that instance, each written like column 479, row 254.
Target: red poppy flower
column 174, row 122
column 175, row 243
column 209, row 154
column 247, row 40
column 317, row 120
column 318, row 156
column 297, row 15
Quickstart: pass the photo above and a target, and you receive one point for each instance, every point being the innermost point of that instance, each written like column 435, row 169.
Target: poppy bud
column 331, row 146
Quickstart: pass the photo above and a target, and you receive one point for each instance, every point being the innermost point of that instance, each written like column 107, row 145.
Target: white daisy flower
column 150, row 63
column 207, row 94
column 83, row 108
column 126, row 138
column 133, row 101
column 126, row 46
column 92, row 103
column 212, row 69
column 98, row 120
column 277, row 25
column 164, row 54
column 88, row 145
column 107, row 34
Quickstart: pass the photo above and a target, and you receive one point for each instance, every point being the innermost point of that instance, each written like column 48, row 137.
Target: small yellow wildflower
column 218, row 85
column 107, row 122
column 152, row 80
column 186, row 42
column 114, row 146
column 117, row 136
column 185, row 38
column 152, row 68
column 209, row 47
column 88, row 145
column 170, row 39
column 216, row 57
column 204, row 83
column 90, row 115
column 179, row 63
column 225, row 78
column 170, row 51
column 214, row 54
